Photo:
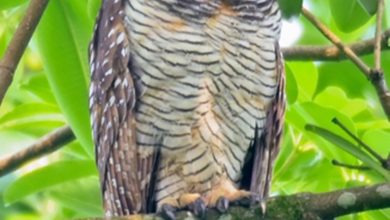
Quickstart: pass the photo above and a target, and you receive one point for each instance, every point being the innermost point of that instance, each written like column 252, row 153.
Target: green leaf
column 335, row 97
column 379, row 140
column 306, row 74
column 348, row 14
column 291, row 87
column 62, row 38
column 7, row 4
column 93, row 8
column 82, row 196
column 35, row 118
column 290, row 8
column 38, row 86
column 51, row 175
column 369, row 5
column 300, row 114
column 350, row 148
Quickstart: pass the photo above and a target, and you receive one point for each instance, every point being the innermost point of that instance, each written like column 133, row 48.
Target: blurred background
column 49, row 90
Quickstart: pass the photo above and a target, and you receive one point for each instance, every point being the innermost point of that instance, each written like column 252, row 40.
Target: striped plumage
column 185, row 96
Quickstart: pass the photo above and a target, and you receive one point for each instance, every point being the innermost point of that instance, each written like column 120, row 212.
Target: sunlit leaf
column 306, row 75
column 7, row 4
column 50, row 175
column 62, row 38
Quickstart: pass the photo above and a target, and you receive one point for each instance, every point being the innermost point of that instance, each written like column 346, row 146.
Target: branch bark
column 305, row 206
column 333, row 53
column 19, row 43
column 47, row 144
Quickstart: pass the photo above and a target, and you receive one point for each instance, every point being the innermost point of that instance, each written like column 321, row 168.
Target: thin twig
column 333, row 53
column 47, row 144
column 349, row 166
column 360, row 142
column 336, row 41
column 19, row 43
column 378, row 32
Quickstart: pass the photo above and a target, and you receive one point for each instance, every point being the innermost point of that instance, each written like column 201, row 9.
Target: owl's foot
column 189, row 201
column 225, row 194
column 195, row 203
column 168, row 211
column 168, row 208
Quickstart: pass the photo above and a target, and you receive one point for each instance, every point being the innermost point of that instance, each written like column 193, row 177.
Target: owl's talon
column 222, row 204
column 250, row 200
column 198, row 208
column 168, row 212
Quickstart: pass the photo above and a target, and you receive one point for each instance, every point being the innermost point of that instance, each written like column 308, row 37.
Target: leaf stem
column 360, row 142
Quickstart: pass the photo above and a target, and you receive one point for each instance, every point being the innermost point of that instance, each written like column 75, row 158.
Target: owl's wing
column 125, row 175
column 257, row 172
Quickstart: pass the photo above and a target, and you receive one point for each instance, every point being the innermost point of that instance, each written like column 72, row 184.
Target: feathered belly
column 202, row 95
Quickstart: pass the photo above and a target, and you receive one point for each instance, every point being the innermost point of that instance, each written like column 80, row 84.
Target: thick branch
column 333, row 53
column 306, row 206
column 19, row 43
column 343, row 202
column 45, row 145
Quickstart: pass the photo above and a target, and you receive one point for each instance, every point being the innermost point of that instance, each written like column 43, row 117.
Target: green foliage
column 290, row 8
column 50, row 90
column 59, row 172
column 64, row 52
column 350, row 148
column 349, row 14
column 8, row 4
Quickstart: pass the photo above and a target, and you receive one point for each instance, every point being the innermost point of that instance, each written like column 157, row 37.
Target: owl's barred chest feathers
column 205, row 75
column 187, row 101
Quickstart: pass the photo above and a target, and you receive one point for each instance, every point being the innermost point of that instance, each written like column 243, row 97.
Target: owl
column 187, row 103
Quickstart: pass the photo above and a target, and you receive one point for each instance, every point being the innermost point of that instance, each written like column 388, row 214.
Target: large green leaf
column 7, row 4
column 62, row 38
column 348, row 14
column 350, row 148
column 51, row 175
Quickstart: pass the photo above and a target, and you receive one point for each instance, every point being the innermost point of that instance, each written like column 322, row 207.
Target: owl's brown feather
column 266, row 146
column 112, row 101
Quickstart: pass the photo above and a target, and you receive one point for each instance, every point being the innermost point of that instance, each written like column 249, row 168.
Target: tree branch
column 376, row 76
column 337, row 42
column 305, row 206
column 333, row 53
column 19, row 43
column 47, row 144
